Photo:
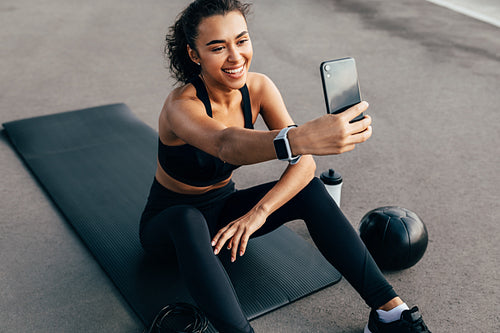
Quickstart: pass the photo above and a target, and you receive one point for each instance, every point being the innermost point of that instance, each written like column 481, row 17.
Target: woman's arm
column 293, row 180
column 326, row 135
column 329, row 134
column 238, row 232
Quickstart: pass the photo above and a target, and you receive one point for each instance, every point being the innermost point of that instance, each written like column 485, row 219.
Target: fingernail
column 216, row 251
column 233, row 259
column 213, row 243
column 241, row 253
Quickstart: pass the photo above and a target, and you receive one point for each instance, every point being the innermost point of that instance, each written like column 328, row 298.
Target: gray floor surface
column 431, row 75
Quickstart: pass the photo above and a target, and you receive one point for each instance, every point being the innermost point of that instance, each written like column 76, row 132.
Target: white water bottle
column 333, row 184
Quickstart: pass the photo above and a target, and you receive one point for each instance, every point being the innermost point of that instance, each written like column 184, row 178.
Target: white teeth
column 233, row 71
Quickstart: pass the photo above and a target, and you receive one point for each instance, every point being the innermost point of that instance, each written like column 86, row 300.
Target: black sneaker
column 411, row 322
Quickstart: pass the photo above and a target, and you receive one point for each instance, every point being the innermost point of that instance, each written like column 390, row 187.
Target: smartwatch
column 282, row 146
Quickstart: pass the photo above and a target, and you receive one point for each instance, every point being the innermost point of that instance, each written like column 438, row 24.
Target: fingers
column 244, row 243
column 220, row 239
column 359, row 133
column 240, row 238
column 355, row 110
column 361, row 125
column 235, row 241
column 361, row 130
column 230, row 234
column 236, row 238
column 361, row 136
column 358, row 126
column 334, row 133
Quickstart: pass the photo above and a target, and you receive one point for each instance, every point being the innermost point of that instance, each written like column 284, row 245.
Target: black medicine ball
column 395, row 237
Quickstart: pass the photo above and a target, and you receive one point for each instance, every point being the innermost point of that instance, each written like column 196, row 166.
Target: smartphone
column 340, row 85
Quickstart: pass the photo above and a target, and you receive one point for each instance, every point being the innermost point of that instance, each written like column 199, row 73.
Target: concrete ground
column 431, row 75
column 484, row 10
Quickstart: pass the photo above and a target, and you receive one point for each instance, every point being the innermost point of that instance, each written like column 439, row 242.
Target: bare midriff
column 179, row 187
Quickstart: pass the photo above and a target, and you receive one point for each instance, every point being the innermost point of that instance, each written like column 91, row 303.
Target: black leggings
column 185, row 224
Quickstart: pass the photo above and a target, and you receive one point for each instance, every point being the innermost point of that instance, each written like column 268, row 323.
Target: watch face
column 280, row 147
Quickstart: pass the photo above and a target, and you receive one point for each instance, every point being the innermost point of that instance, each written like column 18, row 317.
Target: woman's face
column 224, row 49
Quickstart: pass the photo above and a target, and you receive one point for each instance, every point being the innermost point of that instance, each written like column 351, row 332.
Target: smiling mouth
column 234, row 71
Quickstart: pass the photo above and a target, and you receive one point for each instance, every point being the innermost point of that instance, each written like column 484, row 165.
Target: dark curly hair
column 185, row 31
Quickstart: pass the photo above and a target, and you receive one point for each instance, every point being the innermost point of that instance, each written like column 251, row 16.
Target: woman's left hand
column 238, row 232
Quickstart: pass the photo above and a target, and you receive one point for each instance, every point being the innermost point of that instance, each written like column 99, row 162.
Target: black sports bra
column 191, row 165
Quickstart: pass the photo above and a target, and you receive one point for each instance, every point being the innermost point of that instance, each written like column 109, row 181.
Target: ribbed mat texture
column 97, row 165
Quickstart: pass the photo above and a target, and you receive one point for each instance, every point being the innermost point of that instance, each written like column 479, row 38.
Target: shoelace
column 415, row 326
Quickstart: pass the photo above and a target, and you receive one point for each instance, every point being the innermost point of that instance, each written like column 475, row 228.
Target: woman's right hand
column 331, row 133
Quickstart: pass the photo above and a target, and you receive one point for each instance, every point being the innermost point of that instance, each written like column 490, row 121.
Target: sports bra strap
column 202, row 94
column 247, row 107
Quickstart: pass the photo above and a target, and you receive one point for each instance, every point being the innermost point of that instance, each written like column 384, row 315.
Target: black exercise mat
column 97, row 165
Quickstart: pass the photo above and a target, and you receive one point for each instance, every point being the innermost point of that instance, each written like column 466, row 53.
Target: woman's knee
column 314, row 203
column 185, row 220
column 315, row 184
column 314, row 191
column 175, row 222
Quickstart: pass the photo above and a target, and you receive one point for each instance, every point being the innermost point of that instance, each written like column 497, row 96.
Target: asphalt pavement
column 430, row 74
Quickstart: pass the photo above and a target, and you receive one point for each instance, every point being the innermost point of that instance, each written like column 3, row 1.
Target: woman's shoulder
column 259, row 86
column 184, row 92
column 257, row 81
column 181, row 95
column 180, row 103
column 181, row 100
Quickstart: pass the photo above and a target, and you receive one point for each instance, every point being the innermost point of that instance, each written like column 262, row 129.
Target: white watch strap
column 283, row 135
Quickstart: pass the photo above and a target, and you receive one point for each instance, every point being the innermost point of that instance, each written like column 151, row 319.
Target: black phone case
column 352, row 92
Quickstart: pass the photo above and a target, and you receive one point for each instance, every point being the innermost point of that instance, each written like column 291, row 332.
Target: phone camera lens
column 327, row 68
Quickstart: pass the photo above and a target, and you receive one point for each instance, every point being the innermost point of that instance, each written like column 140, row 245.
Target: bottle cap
column 331, row 177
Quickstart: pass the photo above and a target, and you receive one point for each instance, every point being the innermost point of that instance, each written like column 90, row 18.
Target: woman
column 206, row 131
